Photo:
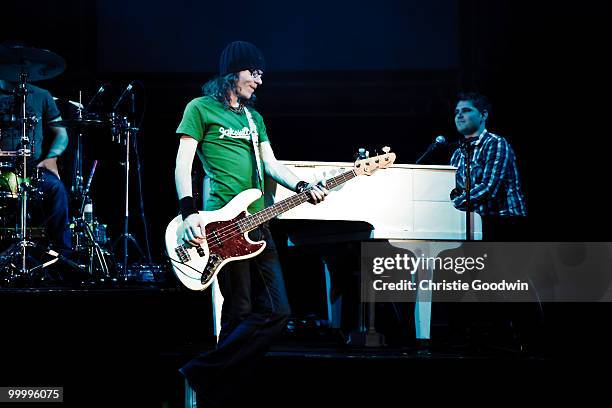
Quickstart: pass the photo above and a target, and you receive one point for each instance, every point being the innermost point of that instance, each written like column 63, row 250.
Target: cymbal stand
column 83, row 224
column 77, row 181
column 24, row 153
column 124, row 136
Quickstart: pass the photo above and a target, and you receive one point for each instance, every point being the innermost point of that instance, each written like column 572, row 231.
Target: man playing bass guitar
column 230, row 139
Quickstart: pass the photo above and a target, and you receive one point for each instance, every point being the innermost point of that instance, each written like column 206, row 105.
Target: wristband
column 187, row 206
column 301, row 186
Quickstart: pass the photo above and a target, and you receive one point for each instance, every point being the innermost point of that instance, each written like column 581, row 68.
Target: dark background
column 344, row 76
column 414, row 35
column 341, row 75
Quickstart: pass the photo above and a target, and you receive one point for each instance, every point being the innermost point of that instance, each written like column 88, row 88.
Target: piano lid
column 404, row 201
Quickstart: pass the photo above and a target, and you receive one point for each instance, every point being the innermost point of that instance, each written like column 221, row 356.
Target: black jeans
column 255, row 311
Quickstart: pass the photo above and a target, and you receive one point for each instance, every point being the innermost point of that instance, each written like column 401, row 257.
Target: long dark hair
column 221, row 87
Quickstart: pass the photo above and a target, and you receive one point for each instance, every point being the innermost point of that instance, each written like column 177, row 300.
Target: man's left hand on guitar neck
column 317, row 191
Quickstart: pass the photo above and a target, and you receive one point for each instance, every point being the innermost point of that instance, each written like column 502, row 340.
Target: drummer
column 40, row 104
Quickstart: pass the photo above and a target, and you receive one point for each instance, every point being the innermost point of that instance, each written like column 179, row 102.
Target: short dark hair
column 479, row 101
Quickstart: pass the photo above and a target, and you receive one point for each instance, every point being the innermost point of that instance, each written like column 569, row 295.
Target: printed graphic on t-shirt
column 244, row 133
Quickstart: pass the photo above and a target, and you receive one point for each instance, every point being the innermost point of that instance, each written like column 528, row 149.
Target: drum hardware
column 124, row 135
column 85, row 120
column 9, row 234
column 89, row 235
column 10, row 180
column 21, row 64
column 124, row 131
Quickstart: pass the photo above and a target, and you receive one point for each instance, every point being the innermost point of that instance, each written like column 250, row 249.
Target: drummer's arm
column 59, row 144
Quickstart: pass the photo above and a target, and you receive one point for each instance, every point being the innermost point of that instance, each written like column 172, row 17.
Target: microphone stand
column 126, row 128
column 430, row 149
column 466, row 148
column 77, row 179
column 420, row 159
column 438, row 143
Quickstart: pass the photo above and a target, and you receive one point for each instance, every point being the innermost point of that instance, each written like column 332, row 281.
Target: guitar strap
column 255, row 141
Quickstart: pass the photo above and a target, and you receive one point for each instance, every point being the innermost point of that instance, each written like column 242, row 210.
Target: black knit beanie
column 240, row 55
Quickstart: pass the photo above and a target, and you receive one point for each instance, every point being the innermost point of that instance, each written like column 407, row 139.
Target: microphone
column 93, row 170
column 88, row 185
column 439, row 142
column 125, row 93
column 103, row 88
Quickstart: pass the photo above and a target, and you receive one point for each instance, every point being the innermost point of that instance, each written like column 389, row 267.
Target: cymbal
column 6, row 57
column 39, row 64
column 79, row 123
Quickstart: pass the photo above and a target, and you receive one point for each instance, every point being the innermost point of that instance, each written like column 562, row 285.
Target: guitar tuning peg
column 386, row 149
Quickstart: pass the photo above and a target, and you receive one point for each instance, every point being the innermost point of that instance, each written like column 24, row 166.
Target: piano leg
column 367, row 336
column 334, row 306
column 422, row 307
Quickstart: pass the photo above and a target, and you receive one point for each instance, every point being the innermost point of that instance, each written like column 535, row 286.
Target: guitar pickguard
column 226, row 241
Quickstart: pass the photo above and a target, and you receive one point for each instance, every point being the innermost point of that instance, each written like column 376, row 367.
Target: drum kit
column 19, row 182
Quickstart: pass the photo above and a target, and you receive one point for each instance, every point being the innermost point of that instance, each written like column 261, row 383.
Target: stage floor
column 123, row 346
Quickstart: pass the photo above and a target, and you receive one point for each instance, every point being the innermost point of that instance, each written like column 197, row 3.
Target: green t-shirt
column 225, row 148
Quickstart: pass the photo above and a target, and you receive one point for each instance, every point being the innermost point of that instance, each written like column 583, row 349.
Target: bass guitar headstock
column 369, row 165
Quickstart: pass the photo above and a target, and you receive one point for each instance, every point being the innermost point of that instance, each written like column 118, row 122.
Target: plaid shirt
column 496, row 186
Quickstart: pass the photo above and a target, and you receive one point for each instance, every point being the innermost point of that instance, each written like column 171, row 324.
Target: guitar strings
column 234, row 229
column 346, row 176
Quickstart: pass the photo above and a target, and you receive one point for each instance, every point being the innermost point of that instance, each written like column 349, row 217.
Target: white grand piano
column 401, row 203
